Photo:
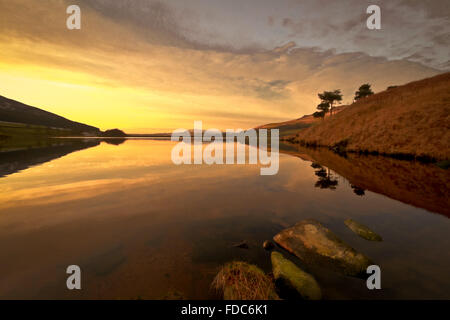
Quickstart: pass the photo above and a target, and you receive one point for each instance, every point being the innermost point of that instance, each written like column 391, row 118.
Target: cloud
column 407, row 26
column 270, row 90
column 156, row 22
column 188, row 59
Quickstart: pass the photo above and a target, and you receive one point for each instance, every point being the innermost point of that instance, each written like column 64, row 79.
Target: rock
column 288, row 275
column 268, row 245
column 316, row 244
column 174, row 295
column 445, row 164
column 362, row 231
column 243, row 245
column 239, row 280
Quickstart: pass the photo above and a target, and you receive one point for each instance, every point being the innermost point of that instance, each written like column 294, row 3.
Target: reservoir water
column 141, row 227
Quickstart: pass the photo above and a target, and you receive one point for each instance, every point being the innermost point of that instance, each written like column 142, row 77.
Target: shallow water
column 141, row 227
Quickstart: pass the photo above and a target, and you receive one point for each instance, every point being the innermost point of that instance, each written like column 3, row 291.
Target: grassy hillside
column 413, row 119
column 293, row 126
column 20, row 135
column 22, row 125
column 16, row 112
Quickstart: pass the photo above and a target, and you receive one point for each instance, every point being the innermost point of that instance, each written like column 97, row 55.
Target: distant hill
column 412, row 119
column 293, row 126
column 113, row 133
column 14, row 111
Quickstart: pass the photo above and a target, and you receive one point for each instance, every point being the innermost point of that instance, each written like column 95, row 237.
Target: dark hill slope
column 14, row 111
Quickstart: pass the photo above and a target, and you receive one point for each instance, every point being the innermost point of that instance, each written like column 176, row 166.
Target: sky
column 153, row 66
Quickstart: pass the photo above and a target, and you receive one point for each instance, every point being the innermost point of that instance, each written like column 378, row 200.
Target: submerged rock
column 362, row 231
column 288, row 275
column 316, row 244
column 243, row 245
column 243, row 281
column 443, row 164
column 268, row 245
column 174, row 295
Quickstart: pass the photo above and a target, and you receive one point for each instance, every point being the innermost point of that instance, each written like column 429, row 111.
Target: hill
column 408, row 120
column 16, row 112
column 293, row 126
column 113, row 133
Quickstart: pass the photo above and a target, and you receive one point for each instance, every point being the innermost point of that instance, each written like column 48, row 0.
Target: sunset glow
column 160, row 72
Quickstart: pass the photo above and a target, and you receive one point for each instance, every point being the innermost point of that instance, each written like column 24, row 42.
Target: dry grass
column 293, row 126
column 242, row 281
column 411, row 119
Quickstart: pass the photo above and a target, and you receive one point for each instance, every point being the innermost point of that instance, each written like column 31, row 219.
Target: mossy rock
column 288, row 275
column 239, row 280
column 445, row 164
column 362, row 230
column 316, row 245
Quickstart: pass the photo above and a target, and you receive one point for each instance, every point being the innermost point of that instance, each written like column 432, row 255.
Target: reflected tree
column 316, row 165
column 358, row 191
column 325, row 180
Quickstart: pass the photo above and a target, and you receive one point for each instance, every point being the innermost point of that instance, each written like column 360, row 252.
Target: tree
column 363, row 91
column 319, row 114
column 323, row 108
column 329, row 98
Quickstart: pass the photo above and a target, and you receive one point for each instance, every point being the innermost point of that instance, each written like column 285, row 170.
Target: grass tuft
column 239, row 280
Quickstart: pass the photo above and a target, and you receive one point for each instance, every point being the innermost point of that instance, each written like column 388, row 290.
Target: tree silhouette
column 358, row 191
column 328, row 98
column 323, row 108
column 325, row 180
column 363, row 91
column 319, row 114
column 315, row 165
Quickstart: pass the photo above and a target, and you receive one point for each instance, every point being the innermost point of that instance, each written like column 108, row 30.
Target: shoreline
column 341, row 149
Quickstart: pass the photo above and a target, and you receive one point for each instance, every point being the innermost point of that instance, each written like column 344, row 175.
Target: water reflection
column 326, row 179
column 141, row 227
column 357, row 190
column 115, row 141
column 19, row 159
column 423, row 185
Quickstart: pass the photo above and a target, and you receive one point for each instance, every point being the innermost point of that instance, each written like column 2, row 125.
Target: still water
column 141, row 227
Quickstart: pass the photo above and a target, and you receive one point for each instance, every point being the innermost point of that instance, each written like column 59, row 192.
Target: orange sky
column 111, row 74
